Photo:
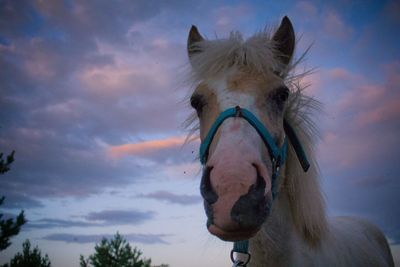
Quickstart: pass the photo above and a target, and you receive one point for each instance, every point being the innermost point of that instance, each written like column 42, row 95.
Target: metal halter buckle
column 238, row 262
column 238, row 112
column 276, row 164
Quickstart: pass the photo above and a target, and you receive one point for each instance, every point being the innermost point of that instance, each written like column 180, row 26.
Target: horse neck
column 297, row 218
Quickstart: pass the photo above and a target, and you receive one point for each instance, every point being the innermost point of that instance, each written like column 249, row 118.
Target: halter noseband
column 278, row 156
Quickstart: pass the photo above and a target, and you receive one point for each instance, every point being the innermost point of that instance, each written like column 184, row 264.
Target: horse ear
column 193, row 38
column 284, row 40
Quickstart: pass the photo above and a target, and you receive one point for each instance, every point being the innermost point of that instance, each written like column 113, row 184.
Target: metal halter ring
column 237, row 262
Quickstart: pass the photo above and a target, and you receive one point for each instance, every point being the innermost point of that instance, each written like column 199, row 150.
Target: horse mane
column 307, row 202
column 257, row 55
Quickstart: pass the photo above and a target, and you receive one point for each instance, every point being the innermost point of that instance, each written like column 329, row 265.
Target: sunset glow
column 93, row 99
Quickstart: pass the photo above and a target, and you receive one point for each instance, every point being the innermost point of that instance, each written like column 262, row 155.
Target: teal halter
column 278, row 156
column 237, row 111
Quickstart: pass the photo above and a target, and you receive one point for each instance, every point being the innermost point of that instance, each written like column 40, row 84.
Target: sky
column 92, row 99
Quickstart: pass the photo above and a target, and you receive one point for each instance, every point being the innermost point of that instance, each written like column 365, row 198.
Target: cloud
column 60, row 167
column 306, row 9
column 359, row 144
column 358, row 108
column 125, row 80
column 95, row 219
column 173, row 198
column 342, row 74
column 146, row 146
column 47, row 223
column 14, row 200
column 6, row 216
column 387, row 113
column 372, row 181
column 229, row 17
column 335, row 26
column 83, row 239
column 110, row 217
column 63, row 126
column 374, row 103
column 80, row 78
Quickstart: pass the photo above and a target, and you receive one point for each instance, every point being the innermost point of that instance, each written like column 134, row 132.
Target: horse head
column 236, row 77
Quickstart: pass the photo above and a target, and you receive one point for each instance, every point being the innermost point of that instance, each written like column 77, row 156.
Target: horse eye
column 197, row 102
column 282, row 94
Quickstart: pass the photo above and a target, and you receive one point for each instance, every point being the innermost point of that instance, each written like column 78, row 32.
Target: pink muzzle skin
column 239, row 182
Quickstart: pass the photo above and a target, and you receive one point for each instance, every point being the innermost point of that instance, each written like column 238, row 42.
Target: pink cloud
column 228, row 18
column 392, row 71
column 306, row 9
column 390, row 111
column 361, row 107
column 7, row 48
column 146, row 146
column 381, row 102
column 312, row 83
column 361, row 96
column 107, row 78
column 352, row 148
column 40, row 64
column 124, row 80
column 369, row 102
column 334, row 25
column 342, row 74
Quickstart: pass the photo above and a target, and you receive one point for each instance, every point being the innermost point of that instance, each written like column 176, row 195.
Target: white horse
column 254, row 182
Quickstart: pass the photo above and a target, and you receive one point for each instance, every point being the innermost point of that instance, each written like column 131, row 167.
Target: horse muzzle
column 236, row 203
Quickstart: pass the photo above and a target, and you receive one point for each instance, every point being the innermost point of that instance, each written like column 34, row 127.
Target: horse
column 260, row 177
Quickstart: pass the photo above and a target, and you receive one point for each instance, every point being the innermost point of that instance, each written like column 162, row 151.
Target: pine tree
column 115, row 253
column 5, row 165
column 9, row 227
column 29, row 258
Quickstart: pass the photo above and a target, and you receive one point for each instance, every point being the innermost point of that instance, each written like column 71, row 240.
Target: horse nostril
column 252, row 208
column 206, row 190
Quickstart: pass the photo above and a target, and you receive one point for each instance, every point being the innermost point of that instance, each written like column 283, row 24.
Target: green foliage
column 29, row 258
column 115, row 253
column 5, row 165
column 9, row 227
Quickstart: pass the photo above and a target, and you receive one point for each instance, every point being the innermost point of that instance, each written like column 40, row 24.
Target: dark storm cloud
column 95, row 219
column 15, row 200
column 170, row 197
column 48, row 223
column 111, row 217
column 82, row 239
column 47, row 167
